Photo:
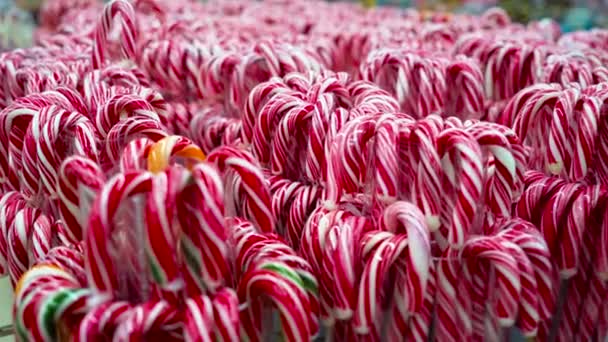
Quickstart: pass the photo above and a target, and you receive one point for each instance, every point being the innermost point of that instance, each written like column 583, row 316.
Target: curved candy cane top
column 99, row 263
column 120, row 11
column 236, row 163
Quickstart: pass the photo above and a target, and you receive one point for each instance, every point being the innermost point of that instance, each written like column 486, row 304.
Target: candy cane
column 257, row 194
column 158, row 318
column 100, row 266
column 45, row 295
column 204, row 245
column 130, row 129
column 462, row 173
column 105, row 25
column 453, row 306
column 85, row 144
column 279, row 284
column 504, row 298
column 10, row 204
column 102, row 321
column 465, row 75
column 502, row 183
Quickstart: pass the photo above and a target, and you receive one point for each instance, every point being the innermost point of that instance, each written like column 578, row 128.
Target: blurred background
column 18, row 17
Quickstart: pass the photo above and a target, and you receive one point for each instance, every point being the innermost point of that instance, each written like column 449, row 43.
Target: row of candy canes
column 570, row 216
column 180, row 286
column 353, row 284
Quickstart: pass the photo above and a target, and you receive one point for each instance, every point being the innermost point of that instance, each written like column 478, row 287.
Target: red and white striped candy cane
column 155, row 318
column 560, row 143
column 134, row 156
column 198, row 319
column 257, row 99
column 102, row 321
column 515, row 105
column 500, row 183
column 18, row 239
column 45, row 292
column 368, row 98
column 120, row 106
column 304, row 202
column 78, row 180
column 343, row 259
column 257, row 200
column 453, row 301
column 100, row 265
column 555, row 212
column 503, row 275
column 422, row 153
column 280, row 285
column 464, row 74
column 116, row 9
column 53, row 135
column 274, row 110
column 10, row 204
column 462, row 175
column 226, row 315
column 202, row 201
column 530, row 240
column 538, row 190
column 287, row 154
column 130, row 129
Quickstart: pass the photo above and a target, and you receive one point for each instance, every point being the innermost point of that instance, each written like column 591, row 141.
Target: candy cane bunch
column 393, row 157
column 376, row 162
column 496, row 280
column 425, row 84
column 571, row 219
column 176, row 285
column 564, row 127
column 290, row 123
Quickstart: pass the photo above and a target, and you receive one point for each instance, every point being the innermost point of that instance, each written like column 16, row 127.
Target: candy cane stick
column 279, row 284
column 530, row 240
column 257, row 200
column 102, row 321
column 134, row 155
column 158, row 318
column 18, row 237
column 204, row 245
column 100, row 266
column 459, row 152
column 303, row 203
column 504, row 298
column 500, row 194
column 85, row 144
column 130, row 129
column 453, row 306
column 10, row 204
column 124, row 105
column 104, row 27
column 464, row 74
column 79, row 179
column 199, row 324
column 44, row 295
column 226, row 315
column 538, row 191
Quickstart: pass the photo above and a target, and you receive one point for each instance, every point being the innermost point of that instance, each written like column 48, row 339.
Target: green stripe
column 157, row 274
column 310, row 283
column 54, row 307
column 286, row 272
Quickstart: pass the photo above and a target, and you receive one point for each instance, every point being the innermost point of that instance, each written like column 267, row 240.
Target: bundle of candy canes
column 298, row 170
